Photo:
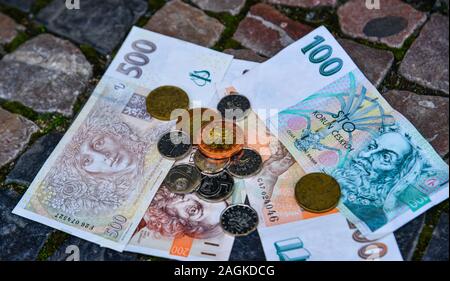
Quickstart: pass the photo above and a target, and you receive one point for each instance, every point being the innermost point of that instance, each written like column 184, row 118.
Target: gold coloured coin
column 221, row 140
column 317, row 192
column 162, row 101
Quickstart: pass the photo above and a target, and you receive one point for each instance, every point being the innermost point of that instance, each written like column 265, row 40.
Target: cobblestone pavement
column 52, row 58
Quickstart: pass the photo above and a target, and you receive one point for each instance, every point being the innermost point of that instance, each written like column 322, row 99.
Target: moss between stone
column 52, row 244
column 431, row 220
column 39, row 5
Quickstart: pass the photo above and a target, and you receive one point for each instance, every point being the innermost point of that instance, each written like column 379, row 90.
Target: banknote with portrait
column 100, row 179
column 331, row 119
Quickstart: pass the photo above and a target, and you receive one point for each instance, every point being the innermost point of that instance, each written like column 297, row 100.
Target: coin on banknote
column 162, row 101
column 246, row 163
column 239, row 220
column 209, row 166
column 183, row 178
column 174, row 145
column 221, row 139
column 194, row 119
column 216, row 188
column 234, row 107
column 317, row 192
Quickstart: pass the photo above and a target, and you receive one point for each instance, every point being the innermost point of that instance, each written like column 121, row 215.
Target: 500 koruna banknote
column 101, row 177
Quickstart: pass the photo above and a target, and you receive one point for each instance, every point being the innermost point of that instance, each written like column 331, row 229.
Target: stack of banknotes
column 315, row 112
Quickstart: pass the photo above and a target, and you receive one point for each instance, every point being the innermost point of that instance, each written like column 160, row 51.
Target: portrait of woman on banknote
column 103, row 165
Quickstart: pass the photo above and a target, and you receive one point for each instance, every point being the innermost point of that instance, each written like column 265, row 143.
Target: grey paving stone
column 244, row 54
column 247, row 248
column 8, row 29
column 374, row 63
column 392, row 24
column 46, row 74
column 15, row 133
column 230, row 6
column 305, row 3
column 23, row 5
column 267, row 31
column 437, row 250
column 75, row 249
column 100, row 24
column 426, row 62
column 20, row 239
column 32, row 160
column 428, row 114
column 185, row 22
column 408, row 236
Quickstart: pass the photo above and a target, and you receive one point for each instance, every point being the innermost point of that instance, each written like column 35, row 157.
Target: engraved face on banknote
column 173, row 215
column 100, row 169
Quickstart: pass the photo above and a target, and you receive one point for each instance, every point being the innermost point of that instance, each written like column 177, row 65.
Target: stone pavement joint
column 392, row 24
column 8, row 29
column 46, row 74
column 305, row 3
column 20, row 239
column 15, row 133
column 267, row 31
column 374, row 63
column 426, row 62
column 419, row 110
column 182, row 21
column 100, row 24
column 32, row 160
column 230, row 6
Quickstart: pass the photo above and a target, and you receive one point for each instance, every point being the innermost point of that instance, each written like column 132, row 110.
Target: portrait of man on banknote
column 373, row 180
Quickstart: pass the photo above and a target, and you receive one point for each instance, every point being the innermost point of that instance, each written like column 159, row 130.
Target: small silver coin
column 183, row 178
column 216, row 188
column 174, row 145
column 239, row 220
column 245, row 164
column 234, row 107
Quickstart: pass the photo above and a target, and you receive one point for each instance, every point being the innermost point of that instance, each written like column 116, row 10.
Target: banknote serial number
column 74, row 221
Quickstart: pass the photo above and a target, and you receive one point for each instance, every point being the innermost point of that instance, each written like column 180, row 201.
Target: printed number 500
column 321, row 54
column 137, row 58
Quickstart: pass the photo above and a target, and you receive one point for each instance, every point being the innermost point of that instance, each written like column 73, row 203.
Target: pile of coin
column 220, row 158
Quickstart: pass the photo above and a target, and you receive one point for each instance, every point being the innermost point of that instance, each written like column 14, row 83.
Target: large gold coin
column 162, row 101
column 195, row 119
column 317, row 192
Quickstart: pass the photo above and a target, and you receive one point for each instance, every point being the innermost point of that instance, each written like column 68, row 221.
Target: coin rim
column 252, row 174
column 215, row 200
column 244, row 234
column 210, row 174
column 173, row 158
column 246, row 112
column 191, row 190
column 157, row 116
column 315, row 211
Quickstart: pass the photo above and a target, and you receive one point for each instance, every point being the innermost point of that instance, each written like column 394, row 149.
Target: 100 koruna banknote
column 332, row 119
column 101, row 177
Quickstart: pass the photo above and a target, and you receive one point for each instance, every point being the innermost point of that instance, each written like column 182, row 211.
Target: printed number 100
column 321, row 54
